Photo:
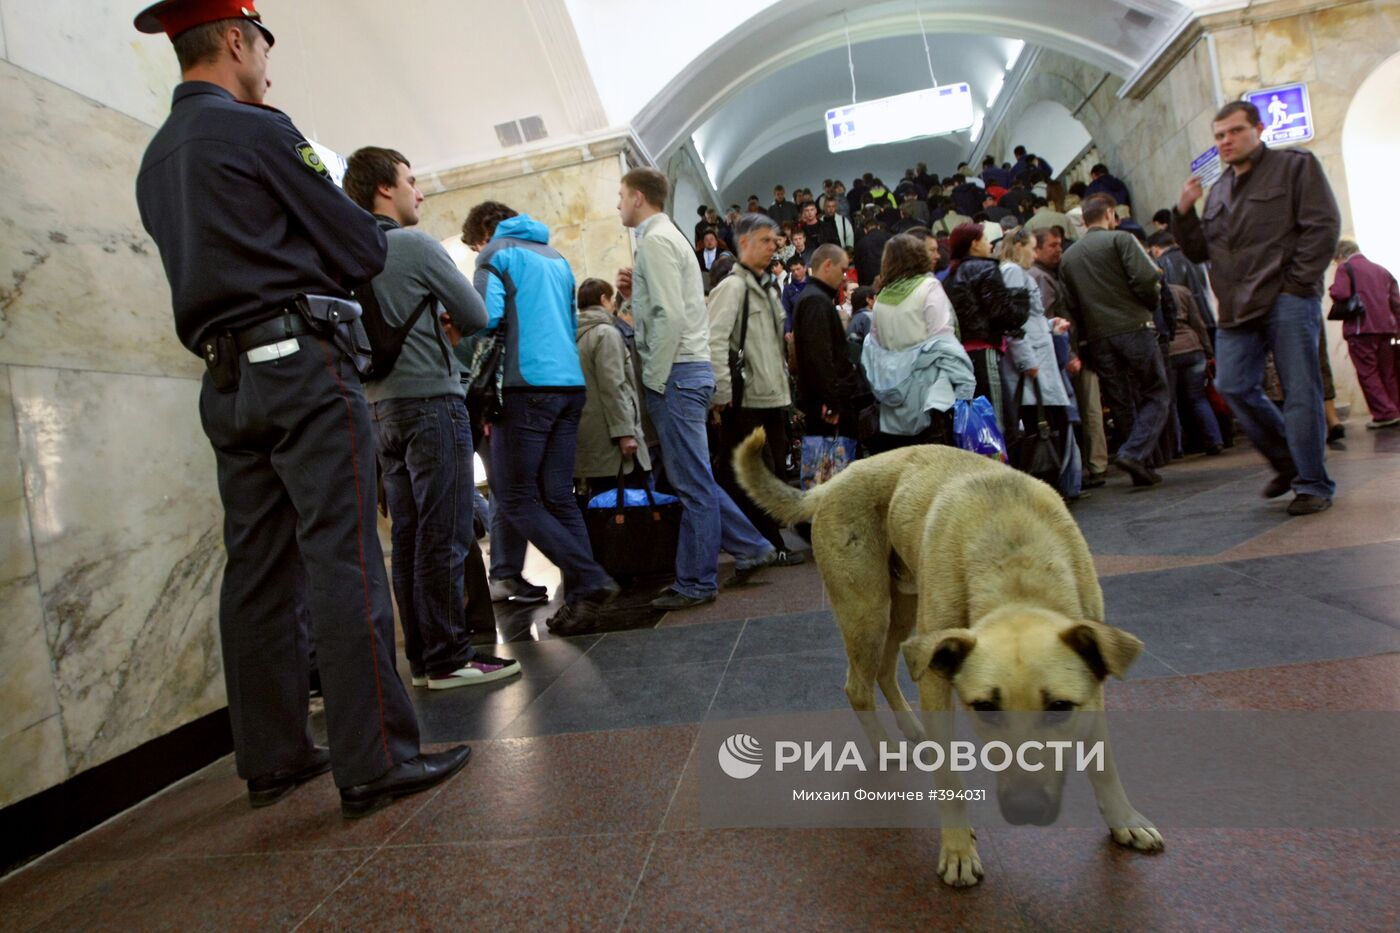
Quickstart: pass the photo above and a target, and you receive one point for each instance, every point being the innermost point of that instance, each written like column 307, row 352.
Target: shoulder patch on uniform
column 311, row 158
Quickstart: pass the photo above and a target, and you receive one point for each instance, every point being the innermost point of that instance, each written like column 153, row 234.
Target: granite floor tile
column 306, row 820
column 794, row 633
column 1166, row 590
column 777, row 590
column 1381, row 603
column 579, row 883
column 1079, row 879
column 584, row 699
column 789, row 683
column 1327, row 571
column 690, row 644
column 619, row 781
column 811, row 880
column 29, row 898
column 1162, row 693
column 156, row 825
column 476, row 712
column 1340, row 686
column 1240, row 633
column 248, row 892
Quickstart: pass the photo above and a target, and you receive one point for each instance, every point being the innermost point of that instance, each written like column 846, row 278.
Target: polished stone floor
column 580, row 810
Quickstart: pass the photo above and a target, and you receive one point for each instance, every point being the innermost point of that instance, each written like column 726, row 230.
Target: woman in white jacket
column 1030, row 362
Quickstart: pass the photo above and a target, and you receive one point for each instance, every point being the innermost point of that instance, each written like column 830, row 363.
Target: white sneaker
column 482, row 669
column 420, row 680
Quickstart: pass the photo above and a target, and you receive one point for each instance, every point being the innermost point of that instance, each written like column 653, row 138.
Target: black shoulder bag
column 485, row 367
column 1037, row 446
column 1349, row 308
column 736, row 356
column 386, row 341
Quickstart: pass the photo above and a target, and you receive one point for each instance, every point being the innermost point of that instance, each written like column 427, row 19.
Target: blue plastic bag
column 632, row 497
column 975, row 428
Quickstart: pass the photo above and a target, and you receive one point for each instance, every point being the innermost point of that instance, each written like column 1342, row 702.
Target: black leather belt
column 279, row 328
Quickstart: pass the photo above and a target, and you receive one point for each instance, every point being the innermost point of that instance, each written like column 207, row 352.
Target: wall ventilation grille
column 524, row 130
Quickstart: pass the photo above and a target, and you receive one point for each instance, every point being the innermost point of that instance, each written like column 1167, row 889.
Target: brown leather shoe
column 1279, row 485
column 1307, row 504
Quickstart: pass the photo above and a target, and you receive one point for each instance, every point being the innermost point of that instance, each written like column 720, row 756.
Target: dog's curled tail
column 771, row 494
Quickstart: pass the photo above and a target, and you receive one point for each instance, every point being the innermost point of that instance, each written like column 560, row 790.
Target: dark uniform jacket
column 1272, row 230
column 245, row 214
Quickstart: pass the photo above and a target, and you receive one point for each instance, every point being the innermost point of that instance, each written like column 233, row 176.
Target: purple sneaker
column 482, row 669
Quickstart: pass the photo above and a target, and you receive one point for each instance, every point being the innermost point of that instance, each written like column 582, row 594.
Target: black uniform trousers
column 296, row 462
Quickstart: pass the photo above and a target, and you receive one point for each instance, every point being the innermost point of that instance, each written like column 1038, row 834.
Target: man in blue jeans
column 1269, row 230
column 529, row 287
column 668, row 303
column 422, row 430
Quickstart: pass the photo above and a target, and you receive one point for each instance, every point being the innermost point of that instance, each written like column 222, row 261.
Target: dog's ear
column 942, row 652
column 1107, row 650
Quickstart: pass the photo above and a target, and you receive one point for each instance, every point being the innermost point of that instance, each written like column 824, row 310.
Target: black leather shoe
column 673, row 600
column 405, row 778
column 1279, row 485
column 267, row 790
column 1308, row 504
column 1095, row 480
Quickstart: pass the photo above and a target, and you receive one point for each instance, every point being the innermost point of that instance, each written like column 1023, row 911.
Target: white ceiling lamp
column 1015, row 54
column 997, row 84
column 976, row 127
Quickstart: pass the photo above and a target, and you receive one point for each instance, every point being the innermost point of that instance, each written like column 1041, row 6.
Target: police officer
column 249, row 224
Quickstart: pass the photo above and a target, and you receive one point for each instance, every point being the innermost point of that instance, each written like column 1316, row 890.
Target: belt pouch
column 221, row 358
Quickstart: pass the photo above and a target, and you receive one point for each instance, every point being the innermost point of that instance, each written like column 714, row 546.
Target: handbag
column 1351, row 307
column 736, row 356
column 485, row 364
column 633, row 540
column 975, row 428
column 1039, row 450
column 825, row 455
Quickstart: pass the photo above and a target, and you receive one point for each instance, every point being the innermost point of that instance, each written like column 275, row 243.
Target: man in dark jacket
column 829, row 386
column 870, row 250
column 1269, row 229
column 1111, row 293
column 782, row 210
column 1104, row 183
column 1178, row 270
column 966, row 196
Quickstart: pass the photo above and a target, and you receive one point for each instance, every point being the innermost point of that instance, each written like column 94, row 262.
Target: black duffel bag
column 638, row 540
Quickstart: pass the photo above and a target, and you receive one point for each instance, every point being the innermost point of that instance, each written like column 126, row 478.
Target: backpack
column 385, row 340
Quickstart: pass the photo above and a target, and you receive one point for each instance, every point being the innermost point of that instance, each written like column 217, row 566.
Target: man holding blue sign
column 1269, row 229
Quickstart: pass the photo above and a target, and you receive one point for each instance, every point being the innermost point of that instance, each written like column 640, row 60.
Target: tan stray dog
column 980, row 576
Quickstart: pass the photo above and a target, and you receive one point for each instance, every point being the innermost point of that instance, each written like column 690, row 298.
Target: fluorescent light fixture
column 1015, row 54
column 997, row 84
column 976, row 128
column 918, row 114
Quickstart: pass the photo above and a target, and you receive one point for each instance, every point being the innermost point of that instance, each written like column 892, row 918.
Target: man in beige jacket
column 668, row 304
column 746, row 316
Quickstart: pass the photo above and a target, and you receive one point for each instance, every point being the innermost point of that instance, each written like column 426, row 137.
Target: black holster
column 339, row 320
column 221, row 359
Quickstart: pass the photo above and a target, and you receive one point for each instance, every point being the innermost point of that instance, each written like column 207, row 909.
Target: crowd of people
column 881, row 316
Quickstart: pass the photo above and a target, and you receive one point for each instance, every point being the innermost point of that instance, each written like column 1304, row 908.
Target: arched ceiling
column 434, row 77
column 774, row 131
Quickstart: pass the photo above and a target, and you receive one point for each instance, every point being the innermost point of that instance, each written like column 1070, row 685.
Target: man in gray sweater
column 422, row 429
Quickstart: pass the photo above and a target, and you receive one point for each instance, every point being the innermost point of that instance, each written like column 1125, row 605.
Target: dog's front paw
column 1137, row 832
column 959, row 864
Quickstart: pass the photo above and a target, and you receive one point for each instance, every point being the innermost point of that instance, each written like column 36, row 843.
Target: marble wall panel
column 30, row 757
column 81, row 285
column 119, row 480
